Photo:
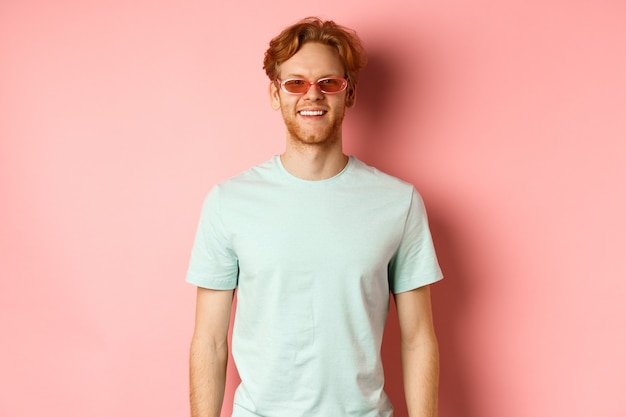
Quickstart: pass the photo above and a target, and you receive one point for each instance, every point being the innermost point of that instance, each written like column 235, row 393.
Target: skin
column 419, row 351
column 209, row 352
column 314, row 143
column 313, row 152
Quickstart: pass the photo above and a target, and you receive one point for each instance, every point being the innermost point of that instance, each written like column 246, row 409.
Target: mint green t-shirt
column 313, row 263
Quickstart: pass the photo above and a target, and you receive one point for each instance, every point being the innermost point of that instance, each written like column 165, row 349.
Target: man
column 314, row 241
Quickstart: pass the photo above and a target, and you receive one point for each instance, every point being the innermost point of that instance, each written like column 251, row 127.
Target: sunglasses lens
column 296, row 86
column 327, row 85
column 332, row 85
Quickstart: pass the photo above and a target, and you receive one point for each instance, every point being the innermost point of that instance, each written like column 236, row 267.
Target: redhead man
column 315, row 242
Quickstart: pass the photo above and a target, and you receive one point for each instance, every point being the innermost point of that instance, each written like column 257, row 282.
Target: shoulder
column 370, row 173
column 254, row 178
column 372, row 177
column 261, row 172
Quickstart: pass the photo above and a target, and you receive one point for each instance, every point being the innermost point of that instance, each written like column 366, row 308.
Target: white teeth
column 312, row 112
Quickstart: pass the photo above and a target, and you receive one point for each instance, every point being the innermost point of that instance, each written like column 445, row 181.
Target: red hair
column 313, row 29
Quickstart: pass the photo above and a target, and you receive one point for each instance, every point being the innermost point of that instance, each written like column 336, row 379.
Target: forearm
column 207, row 377
column 420, row 369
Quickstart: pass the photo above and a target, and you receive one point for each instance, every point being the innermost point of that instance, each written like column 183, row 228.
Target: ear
column 351, row 96
column 274, row 96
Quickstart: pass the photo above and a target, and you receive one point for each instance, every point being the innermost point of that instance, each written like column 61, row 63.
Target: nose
column 314, row 92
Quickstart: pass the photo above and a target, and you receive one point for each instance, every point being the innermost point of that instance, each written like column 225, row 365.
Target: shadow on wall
column 451, row 304
column 379, row 83
column 392, row 101
column 380, row 87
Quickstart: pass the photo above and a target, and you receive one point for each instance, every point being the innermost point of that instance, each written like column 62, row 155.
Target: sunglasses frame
column 282, row 83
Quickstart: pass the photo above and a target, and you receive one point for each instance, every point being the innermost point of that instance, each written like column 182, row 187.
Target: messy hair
column 313, row 29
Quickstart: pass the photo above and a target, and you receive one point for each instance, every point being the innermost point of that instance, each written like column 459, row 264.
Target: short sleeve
column 213, row 263
column 415, row 263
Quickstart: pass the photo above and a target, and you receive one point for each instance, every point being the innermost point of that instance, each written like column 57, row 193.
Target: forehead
column 313, row 60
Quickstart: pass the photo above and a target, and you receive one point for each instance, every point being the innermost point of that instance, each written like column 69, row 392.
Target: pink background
column 116, row 117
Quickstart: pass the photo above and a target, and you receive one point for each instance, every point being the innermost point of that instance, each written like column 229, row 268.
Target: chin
column 324, row 138
column 315, row 140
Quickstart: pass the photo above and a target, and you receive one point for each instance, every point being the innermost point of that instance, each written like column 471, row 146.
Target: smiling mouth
column 312, row 112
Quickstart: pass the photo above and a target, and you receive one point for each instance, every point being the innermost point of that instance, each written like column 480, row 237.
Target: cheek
column 340, row 103
column 288, row 103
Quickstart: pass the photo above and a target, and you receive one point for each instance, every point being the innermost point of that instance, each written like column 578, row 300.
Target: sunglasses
column 329, row 85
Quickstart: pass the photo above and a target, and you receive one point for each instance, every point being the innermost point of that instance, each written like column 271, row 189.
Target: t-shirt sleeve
column 415, row 262
column 213, row 262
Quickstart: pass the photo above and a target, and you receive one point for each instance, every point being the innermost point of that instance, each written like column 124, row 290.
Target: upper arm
column 213, row 309
column 415, row 316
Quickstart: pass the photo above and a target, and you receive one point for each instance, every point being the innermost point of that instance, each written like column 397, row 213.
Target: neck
column 313, row 163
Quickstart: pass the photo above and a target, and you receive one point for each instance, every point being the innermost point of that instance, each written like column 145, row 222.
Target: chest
column 310, row 233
